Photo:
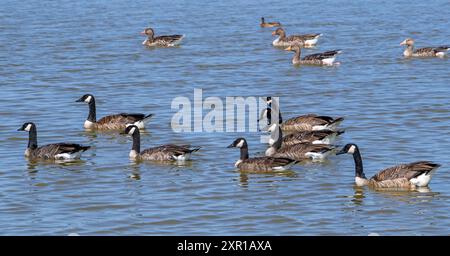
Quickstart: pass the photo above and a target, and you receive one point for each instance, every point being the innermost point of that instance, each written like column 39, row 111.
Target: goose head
column 238, row 143
column 407, row 42
column 88, row 98
column 131, row 129
column 148, row 32
column 262, row 20
column 28, row 126
column 278, row 32
column 350, row 148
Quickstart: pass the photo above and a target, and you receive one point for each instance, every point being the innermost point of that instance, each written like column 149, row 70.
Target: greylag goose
column 440, row 51
column 306, row 40
column 160, row 41
column 319, row 59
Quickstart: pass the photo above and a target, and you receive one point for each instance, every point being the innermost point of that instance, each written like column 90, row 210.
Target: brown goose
column 299, row 152
column 168, row 152
column 264, row 24
column 111, row 122
column 440, row 51
column 412, row 175
column 55, row 151
column 309, row 122
column 160, row 41
column 261, row 164
column 306, row 40
column 319, row 59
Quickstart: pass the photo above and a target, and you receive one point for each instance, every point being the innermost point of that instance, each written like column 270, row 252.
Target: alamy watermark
column 229, row 114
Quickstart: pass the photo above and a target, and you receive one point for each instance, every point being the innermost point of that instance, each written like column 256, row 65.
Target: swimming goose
column 417, row 174
column 262, row 164
column 56, row 151
column 440, row 51
column 309, row 122
column 111, row 122
column 264, row 24
column 160, row 41
column 321, row 59
column 168, row 152
column 306, row 40
column 299, row 152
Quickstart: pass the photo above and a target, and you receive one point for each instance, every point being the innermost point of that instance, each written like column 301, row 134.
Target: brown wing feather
column 305, row 136
column 322, row 55
column 407, row 171
column 264, row 163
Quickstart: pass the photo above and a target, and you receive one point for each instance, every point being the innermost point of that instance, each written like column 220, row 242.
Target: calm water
column 396, row 110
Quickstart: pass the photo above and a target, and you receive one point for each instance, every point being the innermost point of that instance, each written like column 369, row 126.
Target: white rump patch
column 183, row 157
column 68, row 156
column 140, row 124
column 311, row 41
column 283, row 168
column 423, row 179
column 329, row 61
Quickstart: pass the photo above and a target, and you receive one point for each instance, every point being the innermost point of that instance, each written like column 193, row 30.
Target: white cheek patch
column 28, row 128
column 132, row 131
column 240, row 144
column 351, row 150
column 273, row 127
column 88, row 99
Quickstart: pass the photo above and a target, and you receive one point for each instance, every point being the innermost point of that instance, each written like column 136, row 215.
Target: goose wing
column 265, row 163
column 122, row 118
column 431, row 50
column 306, row 136
column 407, row 171
column 304, row 37
column 50, row 150
column 169, row 38
column 312, row 119
column 170, row 149
column 322, row 55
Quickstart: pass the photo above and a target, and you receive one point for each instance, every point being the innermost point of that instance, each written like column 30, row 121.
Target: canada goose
column 440, row 51
column 299, row 152
column 160, row 41
column 111, row 122
column 308, row 122
column 262, row 164
column 56, row 151
column 264, row 24
column 417, row 174
column 319, row 59
column 306, row 40
column 168, row 152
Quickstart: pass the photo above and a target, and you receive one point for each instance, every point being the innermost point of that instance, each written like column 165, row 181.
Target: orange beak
column 288, row 49
column 403, row 43
column 274, row 33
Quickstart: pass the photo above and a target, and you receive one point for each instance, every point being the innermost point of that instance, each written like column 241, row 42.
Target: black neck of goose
column 244, row 152
column 32, row 138
column 136, row 141
column 269, row 115
column 92, row 117
column 297, row 54
column 262, row 20
column 359, row 171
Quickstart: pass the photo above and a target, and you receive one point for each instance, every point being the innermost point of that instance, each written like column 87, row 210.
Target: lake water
column 396, row 110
